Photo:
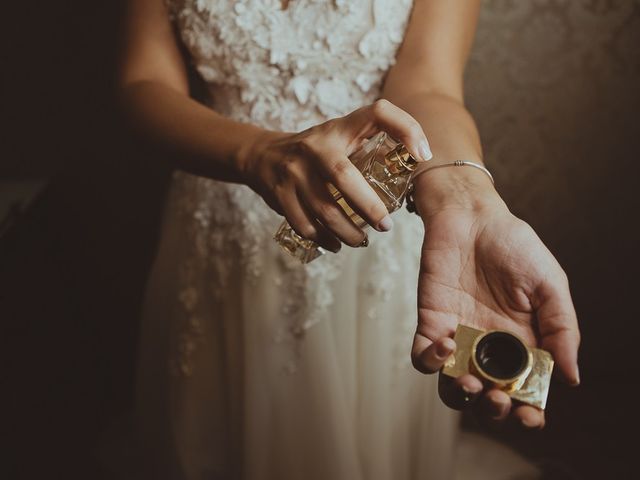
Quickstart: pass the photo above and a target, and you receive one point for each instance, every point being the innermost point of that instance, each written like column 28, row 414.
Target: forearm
column 202, row 141
column 453, row 135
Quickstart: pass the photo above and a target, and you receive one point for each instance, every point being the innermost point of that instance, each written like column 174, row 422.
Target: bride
column 254, row 366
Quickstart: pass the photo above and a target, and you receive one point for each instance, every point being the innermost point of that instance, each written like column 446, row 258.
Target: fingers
column 385, row 116
column 466, row 391
column 303, row 222
column 558, row 326
column 359, row 195
column 327, row 146
column 529, row 417
column 323, row 207
column 428, row 357
column 340, row 171
column 459, row 393
column 495, row 409
column 321, row 154
column 491, row 407
column 495, row 405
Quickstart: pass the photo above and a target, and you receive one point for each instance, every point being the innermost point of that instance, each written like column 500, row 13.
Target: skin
column 480, row 265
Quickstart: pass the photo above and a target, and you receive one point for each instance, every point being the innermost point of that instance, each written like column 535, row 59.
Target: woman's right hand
column 291, row 172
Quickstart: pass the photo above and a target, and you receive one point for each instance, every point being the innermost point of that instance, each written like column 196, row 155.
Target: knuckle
column 328, row 126
column 340, row 168
column 310, row 131
column 380, row 107
column 303, row 147
column 308, row 145
column 329, row 213
column 285, row 169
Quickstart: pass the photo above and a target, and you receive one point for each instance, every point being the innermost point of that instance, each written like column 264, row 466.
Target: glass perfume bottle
column 386, row 165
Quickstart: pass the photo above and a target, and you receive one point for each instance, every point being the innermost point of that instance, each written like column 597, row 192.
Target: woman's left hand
column 483, row 267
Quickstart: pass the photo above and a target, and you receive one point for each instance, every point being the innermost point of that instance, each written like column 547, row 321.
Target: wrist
column 248, row 153
column 463, row 188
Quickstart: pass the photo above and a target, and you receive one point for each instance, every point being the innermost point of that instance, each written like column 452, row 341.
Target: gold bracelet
column 411, row 205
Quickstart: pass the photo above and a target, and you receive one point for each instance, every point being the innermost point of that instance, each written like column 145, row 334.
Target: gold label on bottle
column 340, row 200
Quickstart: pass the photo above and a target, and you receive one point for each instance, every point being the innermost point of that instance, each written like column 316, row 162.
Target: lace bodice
column 283, row 69
column 288, row 69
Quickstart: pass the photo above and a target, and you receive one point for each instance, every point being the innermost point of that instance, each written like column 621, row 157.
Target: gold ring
column 365, row 242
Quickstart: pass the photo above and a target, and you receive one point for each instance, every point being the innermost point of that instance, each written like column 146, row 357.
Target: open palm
column 490, row 270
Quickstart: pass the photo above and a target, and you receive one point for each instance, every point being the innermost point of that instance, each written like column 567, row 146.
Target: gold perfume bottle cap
column 400, row 155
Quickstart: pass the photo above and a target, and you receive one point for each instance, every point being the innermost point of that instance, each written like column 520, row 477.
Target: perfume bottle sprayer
column 386, row 165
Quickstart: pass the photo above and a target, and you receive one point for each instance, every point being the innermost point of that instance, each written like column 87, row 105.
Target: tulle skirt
column 241, row 397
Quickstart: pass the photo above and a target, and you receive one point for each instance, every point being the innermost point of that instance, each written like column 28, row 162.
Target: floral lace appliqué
column 286, row 70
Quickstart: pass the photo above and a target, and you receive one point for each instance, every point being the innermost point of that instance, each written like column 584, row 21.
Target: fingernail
column 425, row 151
column 576, row 380
column 468, row 391
column 527, row 422
column 385, row 224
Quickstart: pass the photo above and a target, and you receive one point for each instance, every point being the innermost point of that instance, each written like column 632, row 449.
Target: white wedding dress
column 252, row 365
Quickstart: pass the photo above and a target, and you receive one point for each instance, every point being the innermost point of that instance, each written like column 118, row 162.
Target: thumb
column 558, row 326
column 429, row 357
column 383, row 115
column 563, row 346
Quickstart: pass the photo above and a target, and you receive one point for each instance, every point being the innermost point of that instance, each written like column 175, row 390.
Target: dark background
column 555, row 87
